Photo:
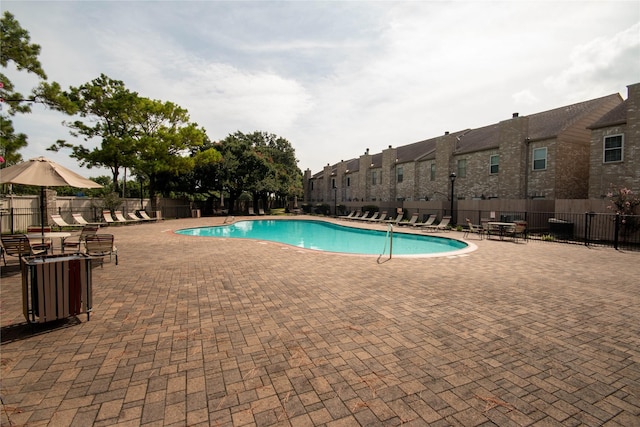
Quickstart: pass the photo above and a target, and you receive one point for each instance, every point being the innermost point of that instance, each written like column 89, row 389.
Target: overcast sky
column 335, row 77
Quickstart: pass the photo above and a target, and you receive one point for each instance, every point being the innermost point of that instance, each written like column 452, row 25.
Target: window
column 540, row 159
column 374, row 178
column 433, row 171
column 462, row 168
column 333, row 183
column 613, row 148
column 348, row 181
column 494, row 163
column 400, row 174
column 311, row 182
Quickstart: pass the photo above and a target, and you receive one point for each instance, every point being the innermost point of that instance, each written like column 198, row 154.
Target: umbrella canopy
column 45, row 173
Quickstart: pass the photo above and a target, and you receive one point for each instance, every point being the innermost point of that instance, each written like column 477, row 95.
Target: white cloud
column 600, row 62
column 524, row 97
column 335, row 78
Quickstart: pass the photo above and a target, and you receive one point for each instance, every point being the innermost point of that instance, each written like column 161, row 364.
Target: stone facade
column 603, row 176
column 549, row 155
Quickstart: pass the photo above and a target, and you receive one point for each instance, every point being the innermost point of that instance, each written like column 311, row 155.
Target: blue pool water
column 329, row 237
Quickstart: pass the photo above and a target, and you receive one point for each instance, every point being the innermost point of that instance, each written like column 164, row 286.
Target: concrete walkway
column 191, row 331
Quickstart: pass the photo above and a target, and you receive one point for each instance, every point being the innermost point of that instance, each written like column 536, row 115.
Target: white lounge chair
column 442, row 226
column 60, row 222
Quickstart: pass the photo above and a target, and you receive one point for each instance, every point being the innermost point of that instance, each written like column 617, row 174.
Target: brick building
column 555, row 154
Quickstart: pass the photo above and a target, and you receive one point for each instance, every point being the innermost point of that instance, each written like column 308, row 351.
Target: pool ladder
column 390, row 239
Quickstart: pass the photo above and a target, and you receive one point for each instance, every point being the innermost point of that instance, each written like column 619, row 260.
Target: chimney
column 515, row 115
column 446, row 133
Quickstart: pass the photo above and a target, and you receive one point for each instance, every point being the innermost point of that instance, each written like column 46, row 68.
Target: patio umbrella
column 43, row 172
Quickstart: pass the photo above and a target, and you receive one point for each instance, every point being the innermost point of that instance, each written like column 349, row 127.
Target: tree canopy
column 258, row 163
column 16, row 49
column 147, row 136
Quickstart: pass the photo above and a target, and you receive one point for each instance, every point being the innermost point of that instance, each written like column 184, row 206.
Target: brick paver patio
column 213, row 332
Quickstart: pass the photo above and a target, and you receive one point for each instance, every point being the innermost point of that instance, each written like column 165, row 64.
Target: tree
column 259, row 163
column 17, row 49
column 164, row 140
column 108, row 107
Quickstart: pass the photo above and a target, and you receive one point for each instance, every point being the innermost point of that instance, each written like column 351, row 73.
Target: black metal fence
column 589, row 228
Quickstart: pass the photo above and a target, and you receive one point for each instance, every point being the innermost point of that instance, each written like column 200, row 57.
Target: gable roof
column 479, row 139
column 551, row 123
column 616, row 116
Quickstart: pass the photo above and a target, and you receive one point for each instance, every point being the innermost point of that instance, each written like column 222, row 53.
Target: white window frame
column 533, row 158
column 605, row 149
column 492, row 164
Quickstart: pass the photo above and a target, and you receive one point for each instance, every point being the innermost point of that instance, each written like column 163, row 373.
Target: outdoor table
column 50, row 235
column 501, row 226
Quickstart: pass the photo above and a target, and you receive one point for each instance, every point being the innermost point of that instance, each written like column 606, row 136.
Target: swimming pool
column 330, row 237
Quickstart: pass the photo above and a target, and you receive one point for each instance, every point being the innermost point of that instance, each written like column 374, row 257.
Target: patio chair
column 251, row 212
column 411, row 221
column 39, row 244
column 442, row 226
column 427, row 223
column 473, row 229
column 18, row 245
column 101, row 245
column 75, row 242
column 519, row 229
column 61, row 223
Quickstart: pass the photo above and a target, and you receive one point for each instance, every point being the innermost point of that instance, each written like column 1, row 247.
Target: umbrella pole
column 42, row 213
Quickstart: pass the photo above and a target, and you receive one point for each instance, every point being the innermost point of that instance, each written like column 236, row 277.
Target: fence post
column 13, row 213
column 617, row 231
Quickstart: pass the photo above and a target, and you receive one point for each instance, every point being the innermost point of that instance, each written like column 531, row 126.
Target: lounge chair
column 134, row 217
column 260, row 211
column 442, row 226
column 251, row 212
column 411, row 221
column 395, row 220
column 61, row 223
column 144, row 216
column 363, row 216
column 351, row 214
column 75, row 242
column 381, row 218
column 121, row 219
column 427, row 223
column 101, row 245
column 106, row 215
column 371, row 218
column 473, row 229
column 18, row 245
column 77, row 217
